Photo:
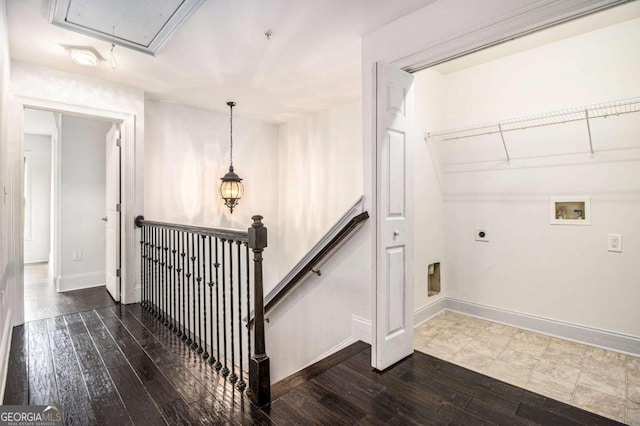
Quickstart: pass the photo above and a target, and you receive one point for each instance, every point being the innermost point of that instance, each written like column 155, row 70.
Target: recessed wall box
column 570, row 210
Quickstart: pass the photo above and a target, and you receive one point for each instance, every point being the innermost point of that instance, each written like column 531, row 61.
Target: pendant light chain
column 231, row 134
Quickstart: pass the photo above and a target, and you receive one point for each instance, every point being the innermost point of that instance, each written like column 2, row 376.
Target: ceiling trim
column 58, row 10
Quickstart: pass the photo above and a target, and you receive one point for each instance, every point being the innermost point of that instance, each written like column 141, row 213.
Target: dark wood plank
column 306, row 374
column 177, row 412
column 461, row 416
column 71, row 386
column 571, row 413
column 540, row 416
column 105, row 400
column 19, row 344
column 17, row 383
column 43, row 389
column 138, row 403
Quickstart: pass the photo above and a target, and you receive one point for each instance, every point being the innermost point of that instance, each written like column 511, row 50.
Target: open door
column 394, row 117
column 112, row 217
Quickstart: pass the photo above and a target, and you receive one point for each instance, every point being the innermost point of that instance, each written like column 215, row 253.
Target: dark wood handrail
column 226, row 234
column 346, row 230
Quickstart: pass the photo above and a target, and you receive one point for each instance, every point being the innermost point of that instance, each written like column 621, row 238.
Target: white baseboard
column 578, row 333
column 80, row 281
column 346, row 342
column 5, row 346
column 427, row 312
column 360, row 329
column 33, row 262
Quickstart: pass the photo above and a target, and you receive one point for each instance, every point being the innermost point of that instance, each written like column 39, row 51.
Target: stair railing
column 197, row 281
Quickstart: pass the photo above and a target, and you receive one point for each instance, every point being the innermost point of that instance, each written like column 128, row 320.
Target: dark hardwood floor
column 119, row 365
column 41, row 300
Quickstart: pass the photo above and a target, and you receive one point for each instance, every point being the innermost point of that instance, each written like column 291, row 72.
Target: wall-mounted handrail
column 310, row 263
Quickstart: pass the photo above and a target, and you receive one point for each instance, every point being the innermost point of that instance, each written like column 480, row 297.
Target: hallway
column 41, row 300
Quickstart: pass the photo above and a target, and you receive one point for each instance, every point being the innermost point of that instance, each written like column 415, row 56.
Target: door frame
column 128, row 243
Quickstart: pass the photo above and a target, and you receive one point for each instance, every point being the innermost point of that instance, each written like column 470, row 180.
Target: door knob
column 396, row 232
column 104, row 219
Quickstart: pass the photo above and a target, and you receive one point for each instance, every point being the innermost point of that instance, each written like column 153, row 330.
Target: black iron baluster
column 187, row 337
column 165, row 249
column 167, row 280
column 181, row 288
column 241, row 384
column 142, row 256
column 225, row 370
column 218, row 364
column 232, row 377
column 174, row 250
column 170, row 280
column 198, row 344
column 248, row 303
column 147, row 261
column 149, row 267
column 163, row 282
column 159, row 273
column 192, row 341
column 155, row 272
column 209, row 284
column 185, row 285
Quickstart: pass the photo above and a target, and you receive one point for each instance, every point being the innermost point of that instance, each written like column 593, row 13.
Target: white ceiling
column 311, row 63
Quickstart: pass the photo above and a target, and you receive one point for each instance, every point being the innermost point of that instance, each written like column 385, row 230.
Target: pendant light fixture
column 231, row 188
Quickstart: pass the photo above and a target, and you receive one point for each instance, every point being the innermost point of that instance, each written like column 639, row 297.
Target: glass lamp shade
column 231, row 189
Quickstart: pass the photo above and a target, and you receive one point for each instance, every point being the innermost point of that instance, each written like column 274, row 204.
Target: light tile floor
column 597, row 380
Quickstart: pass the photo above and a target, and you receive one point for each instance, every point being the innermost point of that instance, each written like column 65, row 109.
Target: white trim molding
column 360, row 329
column 80, row 281
column 426, row 312
column 131, row 193
column 591, row 336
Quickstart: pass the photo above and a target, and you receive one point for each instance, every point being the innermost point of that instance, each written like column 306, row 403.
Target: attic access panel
column 142, row 25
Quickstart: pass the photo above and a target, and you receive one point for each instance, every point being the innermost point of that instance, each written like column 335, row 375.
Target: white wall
column 320, row 176
column 82, row 202
column 429, row 236
column 187, row 152
column 562, row 273
column 38, row 193
column 7, row 282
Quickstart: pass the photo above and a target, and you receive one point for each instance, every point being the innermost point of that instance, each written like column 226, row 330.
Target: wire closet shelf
column 584, row 113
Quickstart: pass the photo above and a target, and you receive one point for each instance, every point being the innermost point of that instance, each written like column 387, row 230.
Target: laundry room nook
column 527, row 197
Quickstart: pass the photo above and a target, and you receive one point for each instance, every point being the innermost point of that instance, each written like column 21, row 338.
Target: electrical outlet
column 482, row 235
column 77, row 255
column 614, row 242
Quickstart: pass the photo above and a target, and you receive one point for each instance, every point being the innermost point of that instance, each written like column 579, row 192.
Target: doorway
column 66, row 178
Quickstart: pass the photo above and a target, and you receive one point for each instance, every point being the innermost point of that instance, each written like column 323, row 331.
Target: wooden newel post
column 259, row 377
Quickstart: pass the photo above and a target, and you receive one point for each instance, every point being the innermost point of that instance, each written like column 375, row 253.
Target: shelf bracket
column 504, row 144
column 586, row 114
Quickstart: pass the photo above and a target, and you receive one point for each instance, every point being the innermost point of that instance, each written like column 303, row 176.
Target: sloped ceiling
column 221, row 53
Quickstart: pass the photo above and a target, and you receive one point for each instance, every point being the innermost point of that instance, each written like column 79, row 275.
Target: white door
column 112, row 217
column 394, row 117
